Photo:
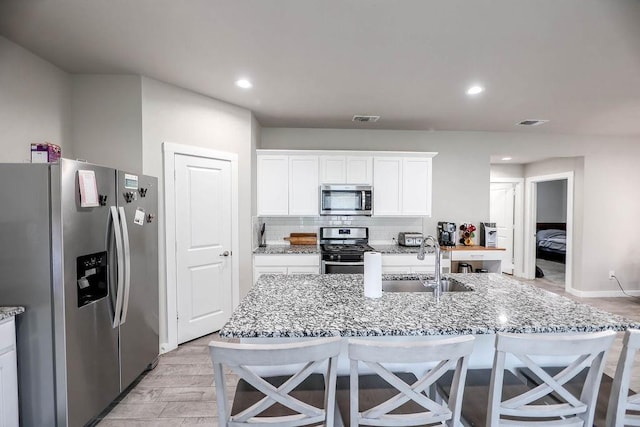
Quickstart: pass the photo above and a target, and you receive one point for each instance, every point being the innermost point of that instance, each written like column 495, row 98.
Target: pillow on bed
column 551, row 234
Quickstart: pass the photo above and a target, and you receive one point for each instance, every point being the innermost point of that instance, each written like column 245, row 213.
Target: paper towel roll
column 372, row 275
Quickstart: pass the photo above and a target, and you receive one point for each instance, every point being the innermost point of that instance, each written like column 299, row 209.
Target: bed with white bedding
column 551, row 241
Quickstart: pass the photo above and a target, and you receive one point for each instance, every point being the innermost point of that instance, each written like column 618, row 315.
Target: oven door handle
column 342, row 263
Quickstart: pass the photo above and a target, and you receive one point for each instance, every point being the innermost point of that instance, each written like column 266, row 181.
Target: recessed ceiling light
column 506, row 158
column 244, row 84
column 474, row 90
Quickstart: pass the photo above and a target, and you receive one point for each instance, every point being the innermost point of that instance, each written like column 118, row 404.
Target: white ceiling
column 317, row 63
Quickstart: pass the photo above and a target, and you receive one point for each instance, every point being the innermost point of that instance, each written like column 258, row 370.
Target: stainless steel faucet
column 432, row 248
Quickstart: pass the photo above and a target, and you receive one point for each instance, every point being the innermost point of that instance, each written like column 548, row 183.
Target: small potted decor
column 467, row 234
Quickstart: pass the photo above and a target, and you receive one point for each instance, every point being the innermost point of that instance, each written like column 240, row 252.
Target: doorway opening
column 548, row 244
column 551, row 232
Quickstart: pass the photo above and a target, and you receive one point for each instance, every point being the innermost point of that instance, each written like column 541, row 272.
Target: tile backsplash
column 381, row 230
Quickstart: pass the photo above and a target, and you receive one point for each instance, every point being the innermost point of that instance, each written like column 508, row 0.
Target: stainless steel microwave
column 337, row 199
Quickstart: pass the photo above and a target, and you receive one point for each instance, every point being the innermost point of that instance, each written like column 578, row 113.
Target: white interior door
column 203, row 245
column 501, row 211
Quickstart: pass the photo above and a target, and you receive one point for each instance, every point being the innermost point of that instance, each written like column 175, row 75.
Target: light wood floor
column 180, row 392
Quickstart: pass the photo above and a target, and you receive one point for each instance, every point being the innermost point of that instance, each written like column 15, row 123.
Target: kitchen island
column 282, row 308
column 314, row 305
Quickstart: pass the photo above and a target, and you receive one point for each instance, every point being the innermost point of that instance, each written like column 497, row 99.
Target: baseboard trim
column 602, row 294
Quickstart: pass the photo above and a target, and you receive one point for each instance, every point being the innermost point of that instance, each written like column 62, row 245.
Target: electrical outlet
column 612, row 274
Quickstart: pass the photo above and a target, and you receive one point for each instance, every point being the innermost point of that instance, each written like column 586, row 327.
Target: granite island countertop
column 6, row 312
column 314, row 305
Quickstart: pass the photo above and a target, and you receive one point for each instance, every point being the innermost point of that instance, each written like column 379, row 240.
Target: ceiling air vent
column 532, row 122
column 362, row 118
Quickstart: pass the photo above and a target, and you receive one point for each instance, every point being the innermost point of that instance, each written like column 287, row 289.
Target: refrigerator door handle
column 127, row 265
column 120, row 262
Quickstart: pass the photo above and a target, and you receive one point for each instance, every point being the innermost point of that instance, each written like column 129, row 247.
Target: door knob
column 225, row 253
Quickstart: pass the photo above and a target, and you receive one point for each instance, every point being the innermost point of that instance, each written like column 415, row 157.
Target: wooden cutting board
column 302, row 238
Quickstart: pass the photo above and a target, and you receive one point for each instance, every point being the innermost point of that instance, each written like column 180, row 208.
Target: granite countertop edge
column 315, row 249
column 334, row 305
column 6, row 312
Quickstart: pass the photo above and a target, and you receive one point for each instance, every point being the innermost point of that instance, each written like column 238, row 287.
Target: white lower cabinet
column 490, row 259
column 410, row 264
column 8, row 374
column 285, row 264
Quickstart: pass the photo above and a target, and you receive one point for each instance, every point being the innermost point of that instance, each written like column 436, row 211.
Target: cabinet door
column 273, row 185
column 333, row 170
column 387, row 186
column 416, row 186
column 8, row 389
column 359, row 170
column 304, row 189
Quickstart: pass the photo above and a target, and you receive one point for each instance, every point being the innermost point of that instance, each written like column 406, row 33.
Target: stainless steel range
column 343, row 248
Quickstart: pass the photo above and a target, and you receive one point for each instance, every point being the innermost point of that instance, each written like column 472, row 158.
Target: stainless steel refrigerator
column 80, row 251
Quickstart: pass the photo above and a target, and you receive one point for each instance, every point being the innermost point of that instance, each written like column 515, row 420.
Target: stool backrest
column 240, row 358
column 450, row 353
column 586, row 350
column 619, row 401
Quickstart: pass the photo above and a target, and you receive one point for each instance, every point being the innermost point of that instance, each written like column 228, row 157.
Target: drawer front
column 7, row 335
column 286, row 260
column 477, row 255
column 410, row 260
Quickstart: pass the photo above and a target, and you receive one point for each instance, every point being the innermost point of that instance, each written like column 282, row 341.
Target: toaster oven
column 410, row 239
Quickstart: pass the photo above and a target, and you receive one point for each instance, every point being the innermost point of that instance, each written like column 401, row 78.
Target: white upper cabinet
column 287, row 185
column 289, row 180
column 346, row 169
column 304, row 188
column 273, row 185
column 416, row 186
column 359, row 170
column 402, row 186
column 387, row 186
column 333, row 170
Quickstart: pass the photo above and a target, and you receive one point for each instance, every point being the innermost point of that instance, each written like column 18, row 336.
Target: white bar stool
column 450, row 353
column 589, row 349
column 259, row 401
column 620, row 402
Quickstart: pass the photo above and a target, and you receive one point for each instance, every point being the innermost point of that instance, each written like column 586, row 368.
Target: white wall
column 35, row 103
column 551, row 201
column 107, row 120
column 172, row 114
column 460, row 170
column 605, row 196
column 507, row 171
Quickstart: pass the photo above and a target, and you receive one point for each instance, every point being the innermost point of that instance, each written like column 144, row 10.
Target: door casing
column 169, row 151
column 530, row 226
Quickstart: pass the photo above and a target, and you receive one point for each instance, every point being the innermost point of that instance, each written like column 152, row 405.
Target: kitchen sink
column 448, row 285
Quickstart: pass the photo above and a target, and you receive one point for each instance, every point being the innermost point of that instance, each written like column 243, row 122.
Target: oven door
column 337, row 267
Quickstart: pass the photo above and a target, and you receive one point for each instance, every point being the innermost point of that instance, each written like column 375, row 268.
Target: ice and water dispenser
column 92, row 277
